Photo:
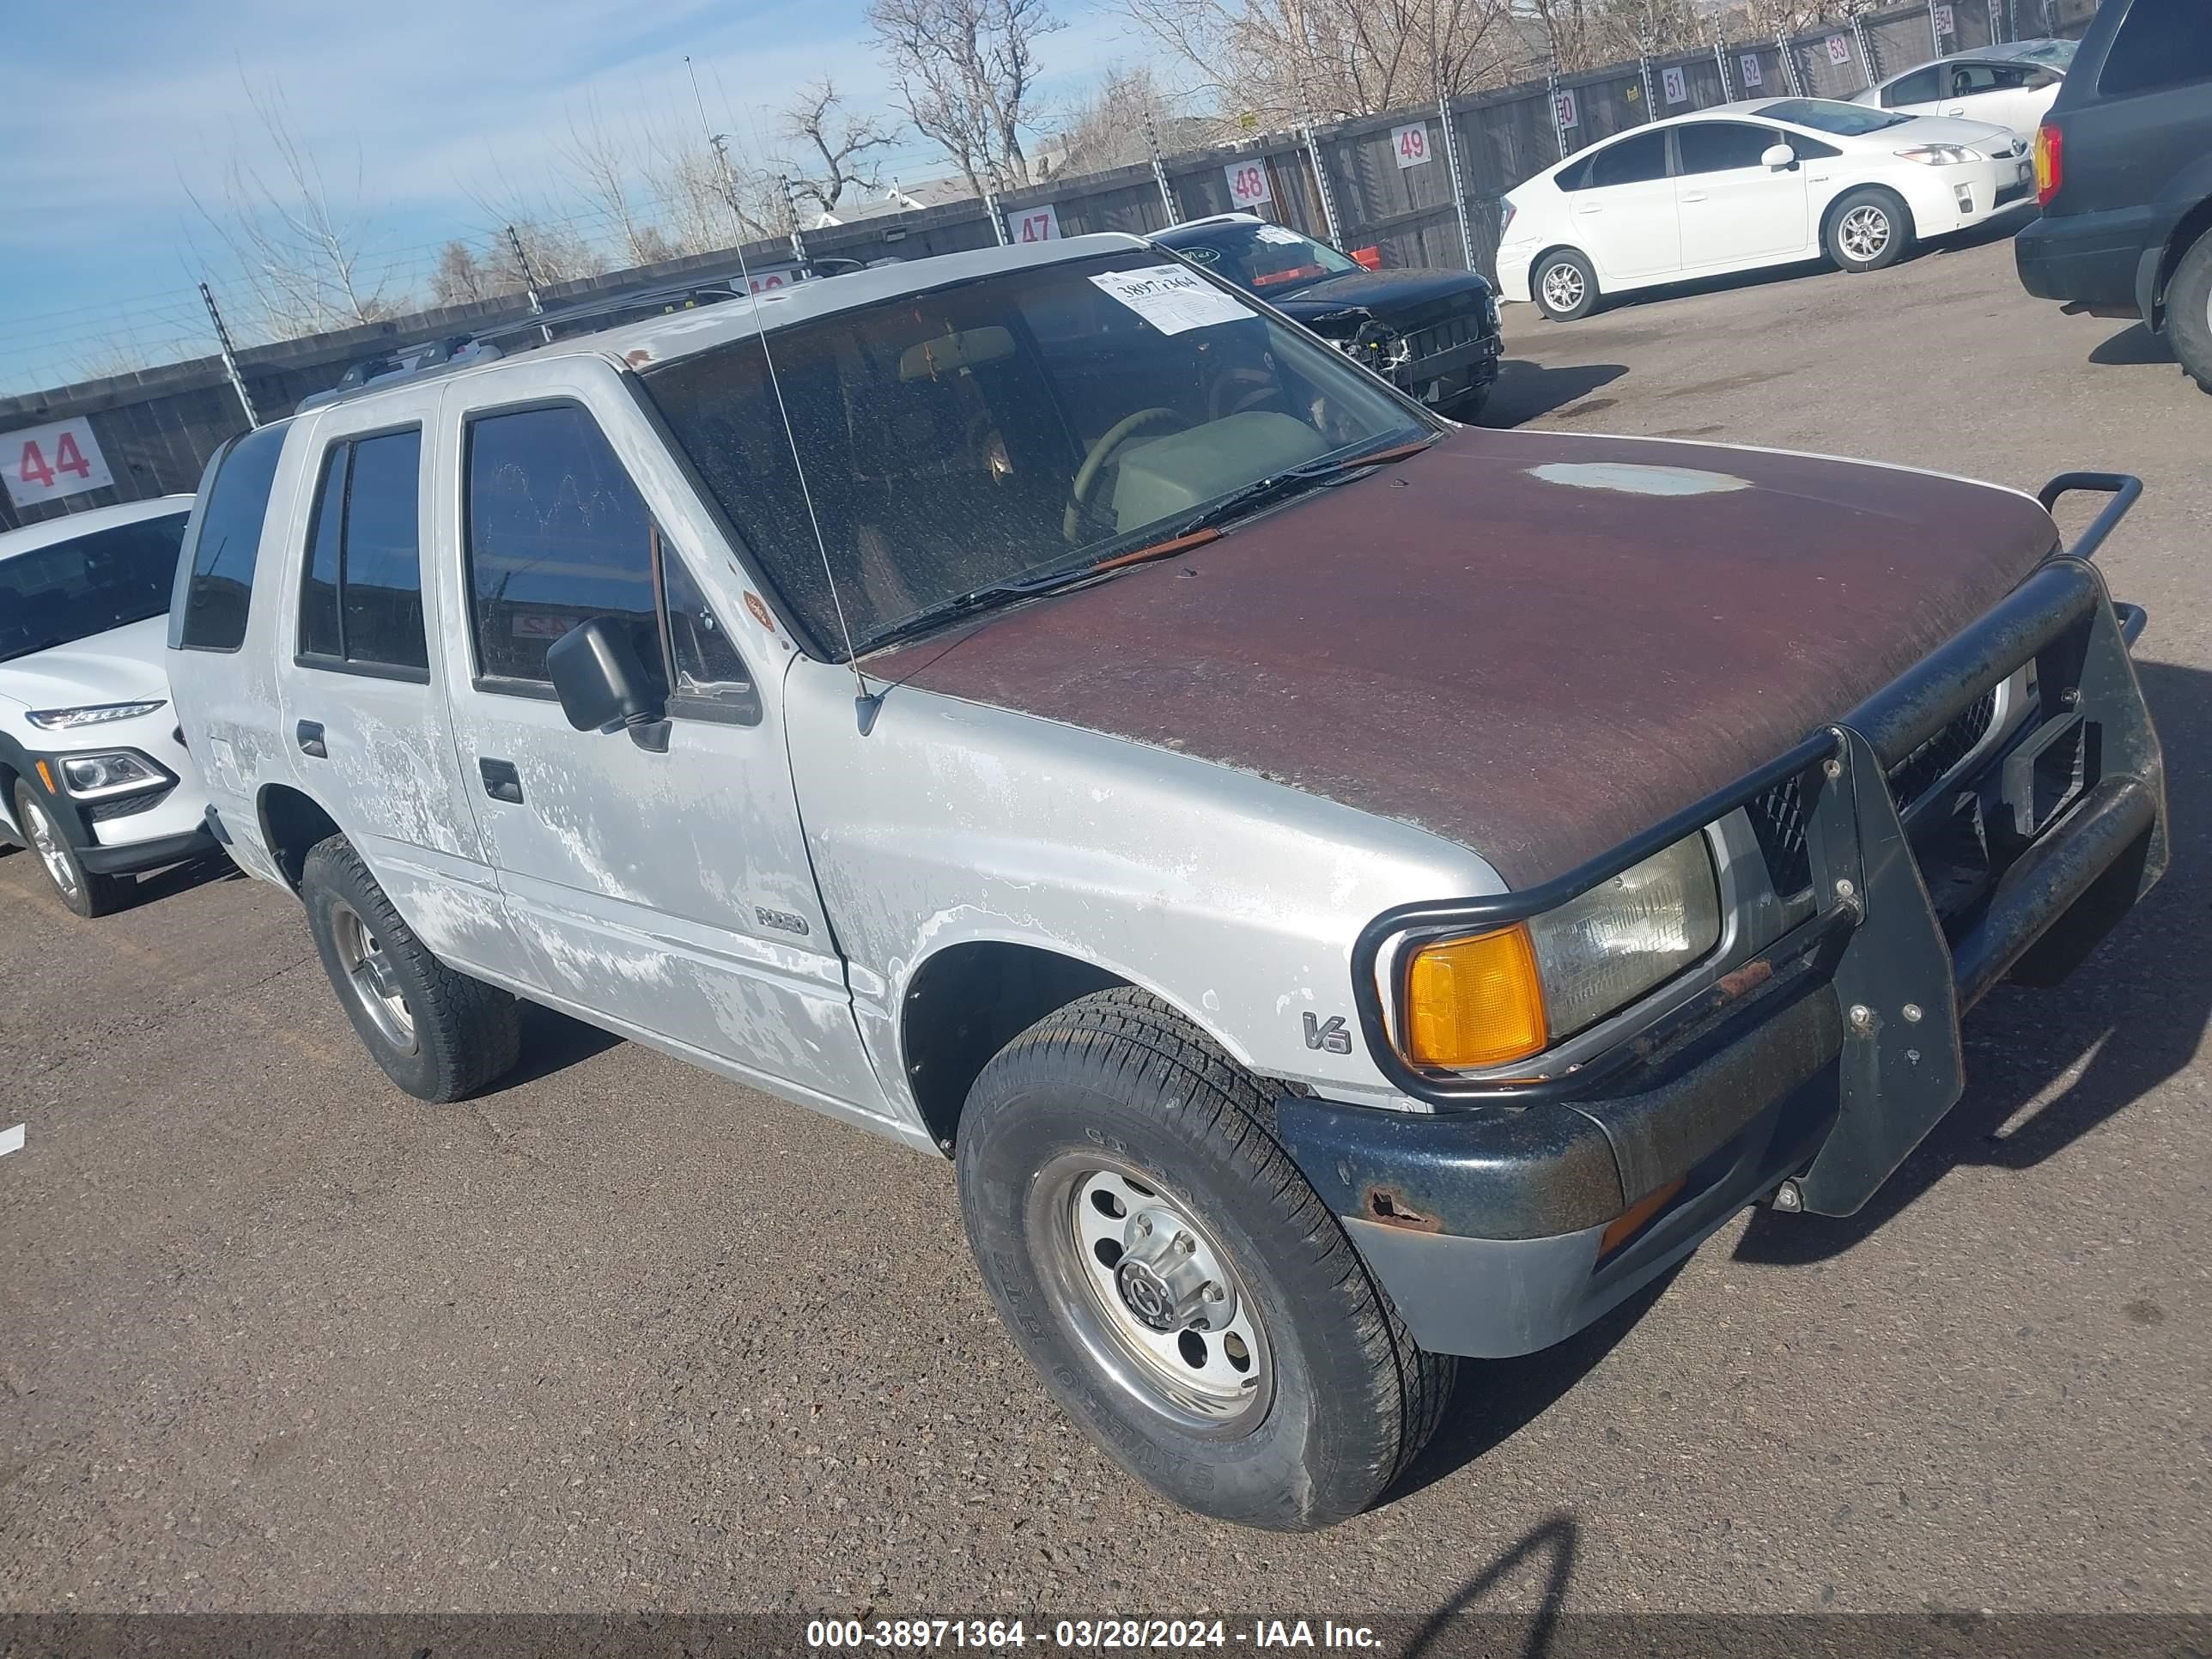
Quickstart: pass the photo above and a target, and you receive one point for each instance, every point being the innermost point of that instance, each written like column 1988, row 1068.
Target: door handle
column 1695, row 196
column 1956, row 109
column 500, row 781
column 1587, row 210
column 310, row 736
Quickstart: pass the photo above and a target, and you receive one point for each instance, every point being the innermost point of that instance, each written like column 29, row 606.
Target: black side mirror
column 601, row 683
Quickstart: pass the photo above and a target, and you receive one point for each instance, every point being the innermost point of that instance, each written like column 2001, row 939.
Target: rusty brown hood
column 1509, row 639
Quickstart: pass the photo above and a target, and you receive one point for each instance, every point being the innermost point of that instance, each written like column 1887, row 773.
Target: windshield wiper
column 945, row 611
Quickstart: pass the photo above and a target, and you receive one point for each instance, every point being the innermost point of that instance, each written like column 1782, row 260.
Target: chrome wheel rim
column 1563, row 288
column 371, row 977
column 1864, row 233
column 1150, row 1296
column 46, row 842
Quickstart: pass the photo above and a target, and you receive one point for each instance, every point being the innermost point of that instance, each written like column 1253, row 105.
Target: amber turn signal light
column 1475, row 1001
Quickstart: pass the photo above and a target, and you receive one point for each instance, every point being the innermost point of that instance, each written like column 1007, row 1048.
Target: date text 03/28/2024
column 1087, row 1634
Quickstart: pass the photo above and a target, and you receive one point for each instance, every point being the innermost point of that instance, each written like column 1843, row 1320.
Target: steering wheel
column 1087, row 476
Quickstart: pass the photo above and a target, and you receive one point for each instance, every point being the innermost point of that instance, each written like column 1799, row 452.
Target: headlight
column 92, row 776
column 1942, row 155
column 1487, row 998
column 92, row 714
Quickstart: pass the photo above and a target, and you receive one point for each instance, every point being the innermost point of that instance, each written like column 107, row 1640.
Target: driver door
column 660, row 885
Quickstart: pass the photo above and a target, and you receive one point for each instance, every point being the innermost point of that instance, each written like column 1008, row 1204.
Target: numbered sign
column 1248, row 183
column 1410, row 144
column 45, row 462
column 1037, row 224
column 1943, row 20
column 1749, row 62
column 1677, row 85
column 1839, row 49
column 1563, row 109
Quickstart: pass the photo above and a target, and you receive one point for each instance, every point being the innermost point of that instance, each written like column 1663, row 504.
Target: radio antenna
column 865, row 701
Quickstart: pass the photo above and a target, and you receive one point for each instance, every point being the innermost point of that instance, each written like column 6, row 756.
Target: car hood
column 1387, row 293
column 1532, row 644
column 124, row 664
column 1943, row 130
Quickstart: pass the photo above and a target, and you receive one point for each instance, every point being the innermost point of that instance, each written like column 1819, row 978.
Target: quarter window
column 227, row 543
column 557, row 534
column 362, row 604
column 2161, row 43
column 1632, row 161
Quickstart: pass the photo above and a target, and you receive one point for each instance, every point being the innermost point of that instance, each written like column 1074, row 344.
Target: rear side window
column 2161, row 43
column 219, row 582
column 1632, row 161
column 1923, row 86
column 360, row 605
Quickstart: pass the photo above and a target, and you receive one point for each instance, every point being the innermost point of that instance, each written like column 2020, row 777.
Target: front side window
column 1014, row 428
column 360, row 605
column 1632, row 161
column 1269, row 260
column 87, row 585
column 1720, row 146
column 226, row 543
column 557, row 534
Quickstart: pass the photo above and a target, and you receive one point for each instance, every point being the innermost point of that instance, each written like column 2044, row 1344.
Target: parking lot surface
column 620, row 1335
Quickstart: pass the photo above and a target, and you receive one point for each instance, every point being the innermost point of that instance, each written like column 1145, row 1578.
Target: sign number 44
column 45, row 462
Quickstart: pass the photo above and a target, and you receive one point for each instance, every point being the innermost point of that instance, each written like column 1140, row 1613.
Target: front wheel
column 85, row 893
column 1869, row 229
column 1186, row 1295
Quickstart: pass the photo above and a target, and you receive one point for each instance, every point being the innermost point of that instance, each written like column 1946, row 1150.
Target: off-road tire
column 466, row 1034
column 1866, row 206
column 85, row 894
column 2188, row 312
column 1565, row 260
column 1120, row 1073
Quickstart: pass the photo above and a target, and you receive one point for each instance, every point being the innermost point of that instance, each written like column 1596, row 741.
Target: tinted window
column 382, row 588
column 557, row 534
column 1923, row 86
column 2161, row 43
column 1716, row 146
column 87, row 585
column 227, row 543
column 1268, row 260
column 1631, row 162
column 319, row 595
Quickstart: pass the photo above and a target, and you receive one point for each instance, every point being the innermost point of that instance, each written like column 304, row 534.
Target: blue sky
column 414, row 109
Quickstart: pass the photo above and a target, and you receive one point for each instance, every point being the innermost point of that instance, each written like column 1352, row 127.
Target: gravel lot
column 622, row 1336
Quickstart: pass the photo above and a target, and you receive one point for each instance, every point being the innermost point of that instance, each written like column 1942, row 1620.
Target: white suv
column 94, row 776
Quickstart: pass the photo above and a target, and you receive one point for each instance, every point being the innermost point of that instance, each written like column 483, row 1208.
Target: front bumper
column 1509, row 1216
column 1441, row 376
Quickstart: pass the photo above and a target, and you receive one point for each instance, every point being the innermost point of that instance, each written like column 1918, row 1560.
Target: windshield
column 1007, row 429
column 1268, row 260
column 72, row 590
column 1823, row 115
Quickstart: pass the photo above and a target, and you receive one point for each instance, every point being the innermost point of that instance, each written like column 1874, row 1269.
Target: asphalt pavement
column 620, row 1335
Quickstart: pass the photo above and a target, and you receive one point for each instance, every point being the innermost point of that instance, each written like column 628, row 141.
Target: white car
column 2010, row 85
column 94, row 776
column 1739, row 186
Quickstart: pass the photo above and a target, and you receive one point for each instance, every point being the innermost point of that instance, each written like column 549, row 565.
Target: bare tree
column 842, row 143
column 1106, row 129
column 599, row 167
column 1290, row 60
column 708, row 201
column 965, row 71
column 303, row 252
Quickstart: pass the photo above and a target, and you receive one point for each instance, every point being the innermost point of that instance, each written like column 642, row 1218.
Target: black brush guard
column 2079, row 834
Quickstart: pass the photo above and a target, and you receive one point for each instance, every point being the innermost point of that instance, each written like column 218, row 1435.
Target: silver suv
column 1346, row 891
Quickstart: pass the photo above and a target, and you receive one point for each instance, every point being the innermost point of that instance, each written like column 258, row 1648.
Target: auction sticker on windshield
column 1171, row 298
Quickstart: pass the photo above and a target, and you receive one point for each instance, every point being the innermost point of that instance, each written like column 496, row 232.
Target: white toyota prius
column 1741, row 187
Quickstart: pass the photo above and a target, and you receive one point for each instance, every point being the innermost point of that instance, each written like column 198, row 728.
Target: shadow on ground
column 2129, row 1019
column 1525, row 390
column 1555, row 1544
column 2133, row 347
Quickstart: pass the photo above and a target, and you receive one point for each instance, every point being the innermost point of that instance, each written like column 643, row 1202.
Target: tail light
column 2050, row 168
column 1504, row 217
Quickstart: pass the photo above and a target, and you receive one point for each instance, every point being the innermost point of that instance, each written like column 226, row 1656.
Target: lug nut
column 1144, row 1226
column 1185, row 1243
column 1211, row 1292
